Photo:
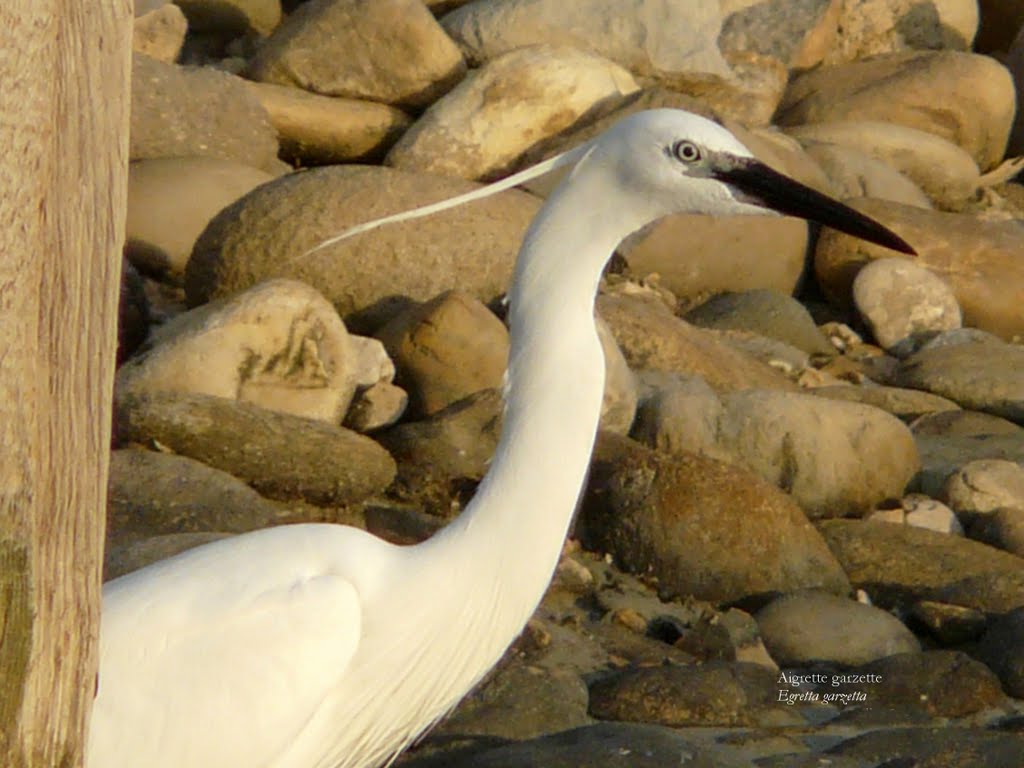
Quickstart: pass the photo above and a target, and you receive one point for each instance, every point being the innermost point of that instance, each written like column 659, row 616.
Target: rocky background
column 802, row 541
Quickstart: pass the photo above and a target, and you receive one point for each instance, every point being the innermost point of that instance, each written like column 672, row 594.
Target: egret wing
column 211, row 664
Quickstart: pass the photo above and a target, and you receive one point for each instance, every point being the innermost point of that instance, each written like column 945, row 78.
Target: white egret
column 321, row 646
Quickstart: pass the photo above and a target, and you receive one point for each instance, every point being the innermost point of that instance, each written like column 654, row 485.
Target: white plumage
column 321, row 646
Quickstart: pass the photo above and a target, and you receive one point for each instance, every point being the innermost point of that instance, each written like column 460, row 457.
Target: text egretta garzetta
column 322, row 646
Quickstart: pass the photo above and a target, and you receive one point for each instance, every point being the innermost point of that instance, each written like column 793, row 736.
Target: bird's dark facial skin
column 753, row 182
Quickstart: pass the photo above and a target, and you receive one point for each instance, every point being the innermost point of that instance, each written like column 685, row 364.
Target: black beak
column 756, row 183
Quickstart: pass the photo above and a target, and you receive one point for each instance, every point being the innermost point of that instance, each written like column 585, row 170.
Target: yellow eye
column 686, row 151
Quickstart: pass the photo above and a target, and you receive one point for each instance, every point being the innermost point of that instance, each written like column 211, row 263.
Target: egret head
column 681, row 162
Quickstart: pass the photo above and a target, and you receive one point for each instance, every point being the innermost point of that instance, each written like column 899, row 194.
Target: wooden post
column 64, row 97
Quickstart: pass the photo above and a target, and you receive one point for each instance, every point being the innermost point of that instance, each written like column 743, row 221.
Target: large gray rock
column 963, row 97
column 647, row 37
column 700, row 527
column 392, row 51
column 368, row 277
column 181, row 111
column 800, row 33
column 813, row 626
column 280, row 455
column 833, row 457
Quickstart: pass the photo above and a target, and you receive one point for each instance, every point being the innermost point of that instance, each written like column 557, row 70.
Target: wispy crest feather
column 568, row 157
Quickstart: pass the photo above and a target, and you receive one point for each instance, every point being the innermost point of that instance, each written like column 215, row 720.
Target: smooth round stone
column 279, row 345
column 766, row 312
column 687, row 521
column 981, row 487
column 949, row 624
column 170, row 202
column 280, row 455
column 945, row 172
column 904, row 304
column 372, row 276
column 653, row 38
column 393, row 52
column 171, row 116
column 925, row 512
column 481, row 128
column 856, row 173
column 963, row 97
column 983, row 377
column 1002, row 528
column 814, row 626
column 900, row 565
column 905, row 404
column 445, row 350
column 714, row 693
column 979, row 259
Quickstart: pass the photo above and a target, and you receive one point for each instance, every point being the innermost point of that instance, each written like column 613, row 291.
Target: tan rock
column 800, row 34
column 173, row 115
column 652, row 38
column 279, row 345
column 445, row 350
column 979, row 259
column 620, row 389
column 482, row 127
column 871, row 27
column 945, row 172
column 170, row 202
column 965, row 98
column 160, row 33
column 391, row 51
column 652, row 337
column 371, row 276
column 855, row 173
column 328, row 129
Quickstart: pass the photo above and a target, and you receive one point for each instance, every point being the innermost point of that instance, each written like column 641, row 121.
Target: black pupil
column 686, row 151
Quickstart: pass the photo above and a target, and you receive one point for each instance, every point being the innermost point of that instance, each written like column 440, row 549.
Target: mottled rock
column 963, row 97
column 814, row 626
column 947, row 623
column 655, row 38
column 445, row 350
column 182, row 111
column 714, row 693
column 766, row 312
column 125, row 558
column 799, row 34
column 898, row 565
column 160, row 33
column 936, row 747
column 983, row 377
column 946, row 173
column 980, row 488
column 314, row 129
column 939, row 683
column 603, row 745
column 483, row 126
column 905, row 404
column 978, row 259
column 154, row 493
column 370, row 276
column 438, row 455
column 870, row 27
column 392, row 51
column 279, row 345
column 170, row 202
column 685, row 520
column 904, row 304
column 959, row 423
column 379, row 405
column 1002, row 648
column 280, row 455
column 652, row 337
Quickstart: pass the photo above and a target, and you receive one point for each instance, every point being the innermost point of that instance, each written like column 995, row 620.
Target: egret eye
column 686, row 151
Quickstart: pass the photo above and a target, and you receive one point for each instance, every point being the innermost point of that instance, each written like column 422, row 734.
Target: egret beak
column 754, row 182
